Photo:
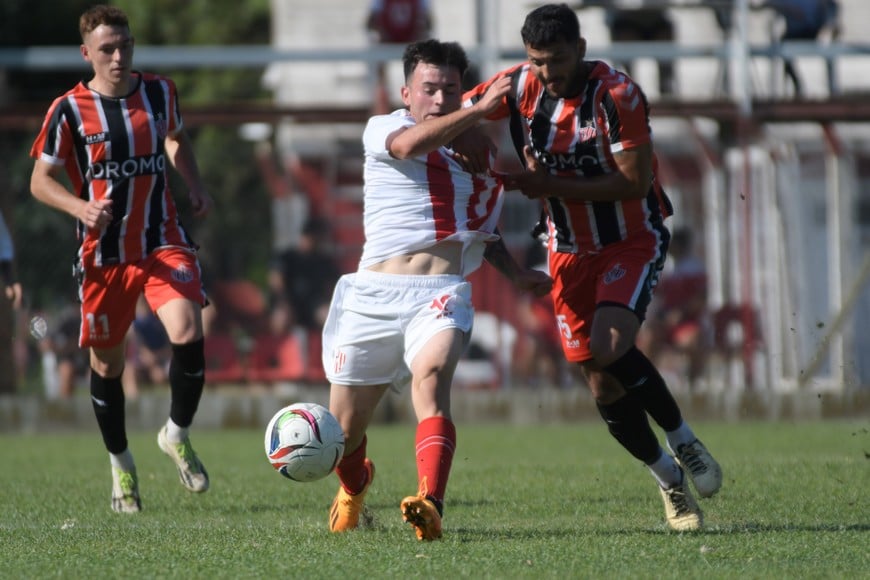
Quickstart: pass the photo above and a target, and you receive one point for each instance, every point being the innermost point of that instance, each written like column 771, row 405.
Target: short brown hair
column 434, row 52
column 101, row 14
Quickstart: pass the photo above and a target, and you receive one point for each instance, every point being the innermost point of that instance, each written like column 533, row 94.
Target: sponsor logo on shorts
column 616, row 273
column 182, row 274
column 442, row 306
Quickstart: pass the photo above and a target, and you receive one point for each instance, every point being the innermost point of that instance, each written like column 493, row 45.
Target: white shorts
column 377, row 324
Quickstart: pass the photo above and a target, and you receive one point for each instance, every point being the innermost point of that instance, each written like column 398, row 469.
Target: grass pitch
column 557, row 501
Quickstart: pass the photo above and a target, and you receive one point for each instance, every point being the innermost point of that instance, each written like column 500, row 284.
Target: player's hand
column 13, row 294
column 534, row 281
column 494, row 95
column 473, row 149
column 200, row 202
column 534, row 183
column 96, row 213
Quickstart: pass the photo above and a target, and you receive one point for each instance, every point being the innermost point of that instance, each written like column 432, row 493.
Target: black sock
column 644, row 383
column 107, row 398
column 628, row 424
column 186, row 381
column 439, row 505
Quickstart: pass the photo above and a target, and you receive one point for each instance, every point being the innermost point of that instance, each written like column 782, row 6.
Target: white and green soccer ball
column 304, row 442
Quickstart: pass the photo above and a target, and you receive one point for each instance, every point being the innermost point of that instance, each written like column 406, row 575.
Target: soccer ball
column 304, row 442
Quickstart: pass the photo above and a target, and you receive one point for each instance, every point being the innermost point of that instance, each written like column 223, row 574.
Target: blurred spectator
column 277, row 355
column 538, row 358
column 645, row 23
column 678, row 320
column 149, row 351
column 64, row 363
column 11, row 301
column 290, row 204
column 306, row 276
column 395, row 22
column 806, row 20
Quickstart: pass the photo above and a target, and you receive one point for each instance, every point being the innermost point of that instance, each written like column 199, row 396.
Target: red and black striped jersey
column 114, row 148
column 579, row 137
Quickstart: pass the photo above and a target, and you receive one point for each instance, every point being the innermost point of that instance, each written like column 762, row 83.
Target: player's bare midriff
column 442, row 258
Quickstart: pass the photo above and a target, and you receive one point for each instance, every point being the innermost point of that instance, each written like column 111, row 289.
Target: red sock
column 351, row 472
column 436, row 442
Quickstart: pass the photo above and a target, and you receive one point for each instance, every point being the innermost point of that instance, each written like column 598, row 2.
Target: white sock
column 681, row 436
column 123, row 460
column 666, row 471
column 174, row 433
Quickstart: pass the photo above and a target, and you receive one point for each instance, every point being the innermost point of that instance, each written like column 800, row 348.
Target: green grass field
column 554, row 502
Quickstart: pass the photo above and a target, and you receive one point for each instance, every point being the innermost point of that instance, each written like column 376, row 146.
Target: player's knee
column 603, row 387
column 607, row 349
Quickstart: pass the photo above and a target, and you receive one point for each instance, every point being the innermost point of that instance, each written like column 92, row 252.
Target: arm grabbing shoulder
column 430, row 134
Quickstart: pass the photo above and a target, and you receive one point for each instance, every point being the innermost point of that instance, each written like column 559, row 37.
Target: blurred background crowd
column 279, row 145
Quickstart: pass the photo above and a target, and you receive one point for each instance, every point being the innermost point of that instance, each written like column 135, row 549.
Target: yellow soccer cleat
column 420, row 512
column 344, row 515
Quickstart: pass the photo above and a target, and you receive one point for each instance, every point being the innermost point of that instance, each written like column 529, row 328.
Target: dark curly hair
column 434, row 52
column 550, row 24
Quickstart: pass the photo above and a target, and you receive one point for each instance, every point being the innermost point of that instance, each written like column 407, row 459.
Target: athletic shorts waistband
column 409, row 281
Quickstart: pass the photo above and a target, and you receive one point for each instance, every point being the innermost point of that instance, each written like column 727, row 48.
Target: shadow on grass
column 487, row 534
column 754, row 528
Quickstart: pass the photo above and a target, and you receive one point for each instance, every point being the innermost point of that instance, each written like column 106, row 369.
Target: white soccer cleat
column 681, row 509
column 191, row 471
column 703, row 470
column 125, row 491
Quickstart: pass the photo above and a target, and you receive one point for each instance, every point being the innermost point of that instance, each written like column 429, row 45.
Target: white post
column 488, row 19
column 741, row 83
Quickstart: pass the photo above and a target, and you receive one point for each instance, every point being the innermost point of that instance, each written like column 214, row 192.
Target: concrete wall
column 235, row 408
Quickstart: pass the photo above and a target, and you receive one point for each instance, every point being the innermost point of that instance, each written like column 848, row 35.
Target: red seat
column 315, row 373
column 223, row 362
column 276, row 358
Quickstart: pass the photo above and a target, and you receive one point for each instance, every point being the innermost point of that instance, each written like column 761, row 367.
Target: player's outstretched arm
column 526, row 279
column 429, row 135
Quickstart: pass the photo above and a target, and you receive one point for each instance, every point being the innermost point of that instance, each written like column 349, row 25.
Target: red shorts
column 109, row 293
column 622, row 274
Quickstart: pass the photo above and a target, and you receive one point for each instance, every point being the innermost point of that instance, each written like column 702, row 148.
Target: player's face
column 559, row 67
column 433, row 91
column 109, row 49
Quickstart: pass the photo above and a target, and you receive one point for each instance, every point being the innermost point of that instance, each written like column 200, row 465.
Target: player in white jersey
column 406, row 314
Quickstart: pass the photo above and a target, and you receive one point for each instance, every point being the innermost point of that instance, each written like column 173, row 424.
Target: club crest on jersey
column 161, row 125
column 182, row 274
column 97, row 138
column 615, row 273
column 442, row 306
column 588, row 131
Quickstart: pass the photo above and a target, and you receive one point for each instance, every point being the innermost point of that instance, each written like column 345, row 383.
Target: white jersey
column 413, row 204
